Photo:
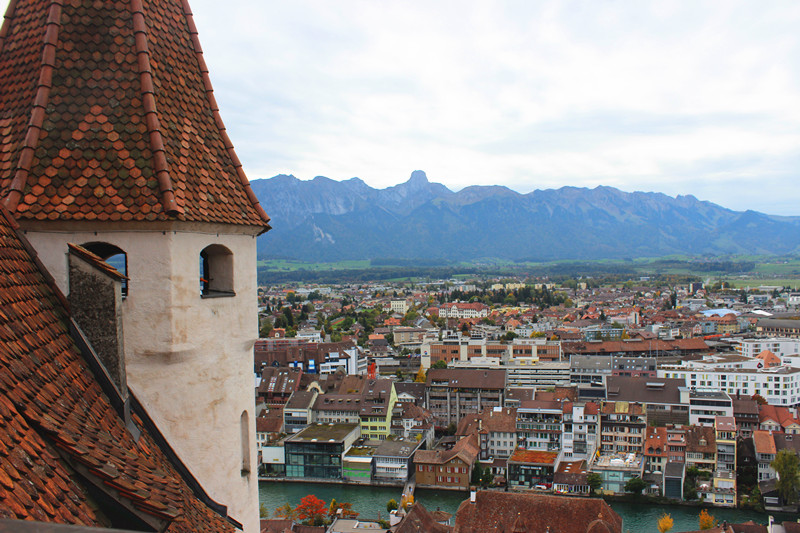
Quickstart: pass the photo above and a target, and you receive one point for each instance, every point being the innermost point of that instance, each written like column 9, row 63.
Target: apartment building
column 622, row 426
column 581, row 424
column 452, row 393
column 778, row 385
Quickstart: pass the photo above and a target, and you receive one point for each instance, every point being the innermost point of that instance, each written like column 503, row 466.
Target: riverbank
column 370, row 502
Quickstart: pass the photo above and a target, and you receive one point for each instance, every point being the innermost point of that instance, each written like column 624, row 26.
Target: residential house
column 447, row 469
column 528, row 468
column 701, row 448
column 581, row 427
column 392, row 460
column 622, row 426
column 496, row 429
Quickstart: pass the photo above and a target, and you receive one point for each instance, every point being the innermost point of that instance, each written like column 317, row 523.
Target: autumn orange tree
column 311, row 511
column 707, row 521
column 665, row 523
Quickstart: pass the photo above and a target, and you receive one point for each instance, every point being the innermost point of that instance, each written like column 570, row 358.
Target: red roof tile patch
column 58, row 426
column 521, row 455
column 108, row 114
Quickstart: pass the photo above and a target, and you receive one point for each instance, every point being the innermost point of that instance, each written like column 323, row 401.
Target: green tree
column 439, row 364
column 594, row 480
column 635, row 485
column 477, row 472
column 391, row 505
column 787, row 466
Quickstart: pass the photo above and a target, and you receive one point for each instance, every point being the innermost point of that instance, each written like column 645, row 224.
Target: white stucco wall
column 189, row 359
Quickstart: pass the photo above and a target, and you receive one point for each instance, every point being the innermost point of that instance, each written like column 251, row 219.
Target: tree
column 477, row 472
column 284, row 511
column 391, row 505
column 665, row 523
column 594, row 480
column 441, row 363
column 399, row 375
column 311, row 511
column 706, row 521
column 787, row 466
column 420, row 377
column 635, row 485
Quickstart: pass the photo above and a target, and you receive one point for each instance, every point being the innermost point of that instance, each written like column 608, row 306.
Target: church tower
column 110, row 138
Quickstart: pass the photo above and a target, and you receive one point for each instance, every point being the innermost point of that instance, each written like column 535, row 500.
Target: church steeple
column 107, row 113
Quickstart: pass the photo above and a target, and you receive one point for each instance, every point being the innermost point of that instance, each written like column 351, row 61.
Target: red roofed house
column 777, row 418
column 112, row 139
column 493, row 511
column 528, row 468
column 447, row 469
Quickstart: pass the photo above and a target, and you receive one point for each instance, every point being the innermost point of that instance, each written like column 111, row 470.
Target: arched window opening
column 216, row 272
column 244, row 425
column 114, row 256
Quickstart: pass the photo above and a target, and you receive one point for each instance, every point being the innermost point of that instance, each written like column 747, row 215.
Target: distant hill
column 327, row 220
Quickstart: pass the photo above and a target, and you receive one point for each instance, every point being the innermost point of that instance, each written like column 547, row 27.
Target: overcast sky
column 678, row 97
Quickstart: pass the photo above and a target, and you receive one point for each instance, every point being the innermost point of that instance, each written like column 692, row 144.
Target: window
column 114, row 256
column 244, row 426
column 216, row 272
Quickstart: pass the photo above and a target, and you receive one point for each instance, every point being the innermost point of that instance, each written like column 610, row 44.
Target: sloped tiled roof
column 56, row 422
column 495, row 511
column 107, row 113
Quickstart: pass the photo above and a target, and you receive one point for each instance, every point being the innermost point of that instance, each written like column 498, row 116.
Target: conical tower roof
column 107, row 113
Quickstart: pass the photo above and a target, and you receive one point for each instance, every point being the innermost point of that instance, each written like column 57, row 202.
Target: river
column 370, row 502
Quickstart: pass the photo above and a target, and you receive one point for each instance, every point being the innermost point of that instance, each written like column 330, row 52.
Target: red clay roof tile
column 117, row 105
column 55, row 414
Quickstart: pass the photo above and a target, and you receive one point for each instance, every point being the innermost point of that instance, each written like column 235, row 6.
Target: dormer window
column 114, row 256
column 216, row 272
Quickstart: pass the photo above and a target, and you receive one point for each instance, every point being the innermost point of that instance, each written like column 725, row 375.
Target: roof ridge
column 212, row 101
column 43, row 85
column 160, row 164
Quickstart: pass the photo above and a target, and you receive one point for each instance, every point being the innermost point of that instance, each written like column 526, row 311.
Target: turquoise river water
column 370, row 502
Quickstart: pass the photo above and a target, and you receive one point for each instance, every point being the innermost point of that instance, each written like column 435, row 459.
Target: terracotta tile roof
column 495, row 511
column 108, row 114
column 466, row 449
column 419, row 520
column 59, row 427
column 764, row 442
column 778, row 414
column 696, row 435
column 521, row 455
column 96, row 261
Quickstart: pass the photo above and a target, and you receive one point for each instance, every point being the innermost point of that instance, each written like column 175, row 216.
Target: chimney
column 95, row 300
column 472, row 494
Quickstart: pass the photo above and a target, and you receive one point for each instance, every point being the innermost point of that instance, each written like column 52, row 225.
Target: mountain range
column 327, row 220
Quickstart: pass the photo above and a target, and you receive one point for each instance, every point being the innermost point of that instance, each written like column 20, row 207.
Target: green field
column 740, row 271
column 289, row 265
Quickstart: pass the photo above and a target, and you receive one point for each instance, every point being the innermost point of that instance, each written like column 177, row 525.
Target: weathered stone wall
column 95, row 301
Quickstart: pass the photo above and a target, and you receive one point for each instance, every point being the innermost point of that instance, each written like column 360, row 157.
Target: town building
column 527, row 469
column 447, row 469
column 507, row 511
column 451, row 394
column 393, row 460
column 318, row 451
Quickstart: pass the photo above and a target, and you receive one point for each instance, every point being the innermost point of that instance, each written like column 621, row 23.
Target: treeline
column 727, row 266
column 266, row 277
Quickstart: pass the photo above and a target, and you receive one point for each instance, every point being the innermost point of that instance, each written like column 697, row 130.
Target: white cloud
column 682, row 97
